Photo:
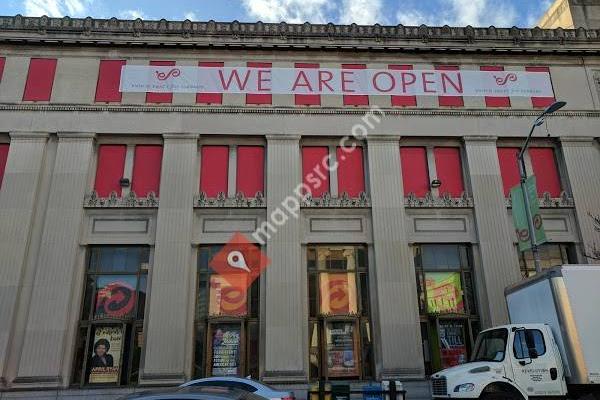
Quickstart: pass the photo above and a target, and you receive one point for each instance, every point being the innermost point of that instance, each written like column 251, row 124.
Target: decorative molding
column 343, row 201
column 547, row 201
column 113, row 201
column 221, row 201
column 259, row 34
column 444, row 201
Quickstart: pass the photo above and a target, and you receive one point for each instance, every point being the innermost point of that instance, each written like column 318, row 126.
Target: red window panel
column 509, row 168
column 110, row 168
column 350, row 172
column 449, row 101
column 4, row 147
column 250, row 173
column 355, row 99
column 315, row 176
column 160, row 97
column 545, row 170
column 307, row 99
column 214, row 170
column 146, row 169
column 2, row 62
column 109, row 78
column 540, row 102
column 403, row 101
column 40, row 79
column 415, row 171
column 449, row 170
column 259, row 98
column 210, row 98
column 495, row 101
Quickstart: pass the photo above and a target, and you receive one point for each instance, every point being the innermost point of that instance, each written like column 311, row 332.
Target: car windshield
column 490, row 345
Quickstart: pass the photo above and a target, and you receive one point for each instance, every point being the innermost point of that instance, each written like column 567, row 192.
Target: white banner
column 331, row 81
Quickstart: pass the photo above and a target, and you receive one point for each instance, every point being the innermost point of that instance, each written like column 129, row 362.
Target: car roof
column 191, row 392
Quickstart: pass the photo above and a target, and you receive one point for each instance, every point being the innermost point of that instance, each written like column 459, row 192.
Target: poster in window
column 444, row 293
column 452, row 343
column 226, row 299
column 105, row 359
column 342, row 349
column 338, row 294
column 115, row 296
column 226, row 339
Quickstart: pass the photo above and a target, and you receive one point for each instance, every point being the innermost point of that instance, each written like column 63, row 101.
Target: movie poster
column 444, row 292
column 115, row 296
column 105, row 362
column 452, row 343
column 342, row 349
column 338, row 294
column 226, row 340
column 226, row 299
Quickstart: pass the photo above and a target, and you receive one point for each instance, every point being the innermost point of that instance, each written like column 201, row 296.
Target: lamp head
column 554, row 107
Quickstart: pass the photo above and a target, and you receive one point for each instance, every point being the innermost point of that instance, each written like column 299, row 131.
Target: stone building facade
column 113, row 204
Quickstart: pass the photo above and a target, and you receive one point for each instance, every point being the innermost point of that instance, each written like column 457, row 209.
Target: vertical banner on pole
column 520, row 215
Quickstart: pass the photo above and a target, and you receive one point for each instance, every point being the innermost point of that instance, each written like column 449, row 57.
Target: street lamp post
column 523, row 172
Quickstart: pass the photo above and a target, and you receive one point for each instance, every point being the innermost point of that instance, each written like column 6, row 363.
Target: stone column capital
column 383, row 138
column 29, row 136
column 63, row 136
column 480, row 139
column 181, row 136
column 283, row 136
column 577, row 140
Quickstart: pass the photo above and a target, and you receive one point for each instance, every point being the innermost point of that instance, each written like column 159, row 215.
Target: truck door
column 534, row 364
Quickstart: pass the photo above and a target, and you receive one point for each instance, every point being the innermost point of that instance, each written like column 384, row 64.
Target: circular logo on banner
column 115, row 300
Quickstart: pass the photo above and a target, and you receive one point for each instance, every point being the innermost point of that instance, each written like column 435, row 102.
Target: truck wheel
column 499, row 396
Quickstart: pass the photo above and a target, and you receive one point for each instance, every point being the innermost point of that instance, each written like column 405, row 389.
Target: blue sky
column 523, row 13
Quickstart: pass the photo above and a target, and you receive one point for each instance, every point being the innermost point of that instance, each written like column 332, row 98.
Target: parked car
column 245, row 384
column 194, row 393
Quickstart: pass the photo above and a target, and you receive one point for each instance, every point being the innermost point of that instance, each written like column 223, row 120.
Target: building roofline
column 162, row 33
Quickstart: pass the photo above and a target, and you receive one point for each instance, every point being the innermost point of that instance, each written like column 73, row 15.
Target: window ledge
column 113, row 201
column 444, row 201
column 221, row 201
column 343, row 201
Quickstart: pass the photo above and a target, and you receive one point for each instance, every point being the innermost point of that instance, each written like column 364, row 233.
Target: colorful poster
column 519, row 214
column 342, row 349
column 105, row 362
column 226, row 340
column 452, row 343
column 338, row 294
column 226, row 299
column 115, row 296
column 444, row 292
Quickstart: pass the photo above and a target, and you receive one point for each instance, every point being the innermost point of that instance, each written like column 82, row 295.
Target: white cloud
column 462, row 13
column 292, row 11
column 132, row 14
column 362, row 12
column 57, row 8
column 191, row 16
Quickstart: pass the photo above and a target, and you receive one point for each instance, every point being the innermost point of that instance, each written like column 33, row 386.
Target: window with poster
column 551, row 255
column 227, row 323
column 110, row 335
column 447, row 303
column 340, row 339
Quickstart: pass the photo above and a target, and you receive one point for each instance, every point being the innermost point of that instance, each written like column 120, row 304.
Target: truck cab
column 508, row 362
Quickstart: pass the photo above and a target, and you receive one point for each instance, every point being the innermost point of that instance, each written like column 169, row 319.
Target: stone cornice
column 116, row 32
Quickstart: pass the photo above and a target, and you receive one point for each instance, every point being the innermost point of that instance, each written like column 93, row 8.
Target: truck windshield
column 490, row 345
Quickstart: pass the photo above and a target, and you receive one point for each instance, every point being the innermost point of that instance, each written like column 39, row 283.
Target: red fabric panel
column 495, row 101
column 4, row 147
column 40, row 79
column 110, row 168
column 259, row 98
column 355, row 99
column 415, row 171
column 314, row 175
column 403, row 101
column 214, row 169
column 2, row 62
column 210, row 98
column 350, row 172
column 545, row 170
column 160, row 97
column 109, row 78
column 250, row 173
column 449, row 170
column 307, row 99
column 509, row 168
column 146, row 169
column 540, row 102
column 449, row 101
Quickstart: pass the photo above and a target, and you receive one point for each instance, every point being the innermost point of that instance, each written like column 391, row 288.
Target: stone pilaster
column 399, row 349
column 18, row 198
column 500, row 266
column 52, row 318
column 173, row 267
column 285, row 321
column 582, row 160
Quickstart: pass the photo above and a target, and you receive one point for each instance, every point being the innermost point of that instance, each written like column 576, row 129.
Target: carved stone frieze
column 130, row 200
column 343, row 201
column 222, row 201
column 547, row 201
column 444, row 201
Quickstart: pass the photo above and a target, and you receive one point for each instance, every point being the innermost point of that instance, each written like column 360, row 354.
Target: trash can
column 340, row 392
column 372, row 391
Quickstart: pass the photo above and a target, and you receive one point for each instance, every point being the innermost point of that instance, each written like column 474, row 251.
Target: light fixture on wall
column 436, row 183
column 124, row 182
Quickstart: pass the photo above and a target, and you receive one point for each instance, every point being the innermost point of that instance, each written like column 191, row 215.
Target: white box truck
column 551, row 349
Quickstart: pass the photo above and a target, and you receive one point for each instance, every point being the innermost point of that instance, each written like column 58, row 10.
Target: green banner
column 520, row 216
